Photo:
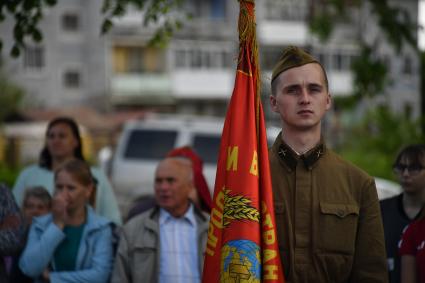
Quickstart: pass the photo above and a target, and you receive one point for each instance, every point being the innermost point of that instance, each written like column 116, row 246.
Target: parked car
column 143, row 143
column 386, row 188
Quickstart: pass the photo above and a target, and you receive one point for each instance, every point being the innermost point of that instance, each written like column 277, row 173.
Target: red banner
column 242, row 243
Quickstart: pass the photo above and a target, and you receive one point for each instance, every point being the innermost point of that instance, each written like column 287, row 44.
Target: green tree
column 374, row 143
column 370, row 72
column 10, row 97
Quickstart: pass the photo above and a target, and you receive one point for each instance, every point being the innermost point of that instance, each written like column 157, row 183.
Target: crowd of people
column 61, row 222
column 64, row 227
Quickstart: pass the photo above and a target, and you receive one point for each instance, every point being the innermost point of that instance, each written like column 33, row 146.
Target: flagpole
column 248, row 39
column 242, row 242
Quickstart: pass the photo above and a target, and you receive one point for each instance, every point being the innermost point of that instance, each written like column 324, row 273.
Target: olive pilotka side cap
column 292, row 56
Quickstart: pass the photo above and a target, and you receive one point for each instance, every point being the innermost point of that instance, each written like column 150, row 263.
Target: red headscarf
column 198, row 177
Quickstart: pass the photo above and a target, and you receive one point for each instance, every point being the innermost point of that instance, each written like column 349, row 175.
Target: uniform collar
column 290, row 157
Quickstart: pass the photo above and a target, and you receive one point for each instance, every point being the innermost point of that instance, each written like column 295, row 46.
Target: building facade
column 68, row 68
column 194, row 73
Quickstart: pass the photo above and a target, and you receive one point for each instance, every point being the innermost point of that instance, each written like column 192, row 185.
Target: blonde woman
column 72, row 243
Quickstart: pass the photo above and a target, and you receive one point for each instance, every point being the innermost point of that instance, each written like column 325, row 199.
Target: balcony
column 203, row 83
column 283, row 33
column 144, row 88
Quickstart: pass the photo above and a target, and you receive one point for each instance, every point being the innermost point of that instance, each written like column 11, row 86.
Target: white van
column 143, row 143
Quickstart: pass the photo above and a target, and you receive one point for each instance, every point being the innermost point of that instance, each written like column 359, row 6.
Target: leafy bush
column 8, row 175
column 374, row 143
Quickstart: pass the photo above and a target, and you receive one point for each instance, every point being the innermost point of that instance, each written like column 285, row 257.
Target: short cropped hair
column 40, row 193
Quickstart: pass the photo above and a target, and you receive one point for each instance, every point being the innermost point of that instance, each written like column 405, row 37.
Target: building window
column 407, row 66
column 335, row 60
column 218, row 9
column 195, row 59
column 71, row 79
column 287, row 10
column 203, row 57
column 181, row 60
column 194, row 8
column 135, row 60
column 323, row 59
column 211, row 10
column 34, row 57
column 70, row 22
column 138, row 59
column 269, row 56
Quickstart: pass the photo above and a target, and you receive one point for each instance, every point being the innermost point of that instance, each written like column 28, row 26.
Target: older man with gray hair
column 167, row 242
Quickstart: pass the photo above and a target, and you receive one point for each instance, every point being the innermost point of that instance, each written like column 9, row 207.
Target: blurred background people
column 72, row 243
column 37, row 202
column 200, row 195
column 140, row 205
column 63, row 143
column 397, row 212
column 412, row 252
column 11, row 231
column 167, row 242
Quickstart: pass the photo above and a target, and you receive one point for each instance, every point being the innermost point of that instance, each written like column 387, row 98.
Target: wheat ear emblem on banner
column 237, row 207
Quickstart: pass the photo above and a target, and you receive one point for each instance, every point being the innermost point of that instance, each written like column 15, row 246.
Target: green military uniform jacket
column 327, row 216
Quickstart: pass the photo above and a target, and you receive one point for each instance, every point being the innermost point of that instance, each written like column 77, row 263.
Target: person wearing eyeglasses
column 399, row 211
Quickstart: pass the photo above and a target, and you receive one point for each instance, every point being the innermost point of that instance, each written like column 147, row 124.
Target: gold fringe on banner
column 247, row 37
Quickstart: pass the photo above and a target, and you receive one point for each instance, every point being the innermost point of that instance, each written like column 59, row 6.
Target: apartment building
column 69, row 67
column 195, row 72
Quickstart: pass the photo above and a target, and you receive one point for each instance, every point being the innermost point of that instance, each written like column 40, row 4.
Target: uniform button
column 340, row 213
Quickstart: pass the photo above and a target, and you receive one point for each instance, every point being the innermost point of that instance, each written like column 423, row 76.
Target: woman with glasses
column 399, row 211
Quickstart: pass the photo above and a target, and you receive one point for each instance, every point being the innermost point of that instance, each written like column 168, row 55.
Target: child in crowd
column 37, row 202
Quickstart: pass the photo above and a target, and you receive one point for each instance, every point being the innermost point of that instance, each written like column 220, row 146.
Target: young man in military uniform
column 327, row 211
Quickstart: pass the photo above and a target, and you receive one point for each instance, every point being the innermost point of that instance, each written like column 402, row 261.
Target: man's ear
column 273, row 103
column 328, row 101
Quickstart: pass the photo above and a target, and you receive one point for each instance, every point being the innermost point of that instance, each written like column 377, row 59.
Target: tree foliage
column 394, row 22
column 374, row 143
column 167, row 16
column 27, row 15
column 10, row 97
column 370, row 72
